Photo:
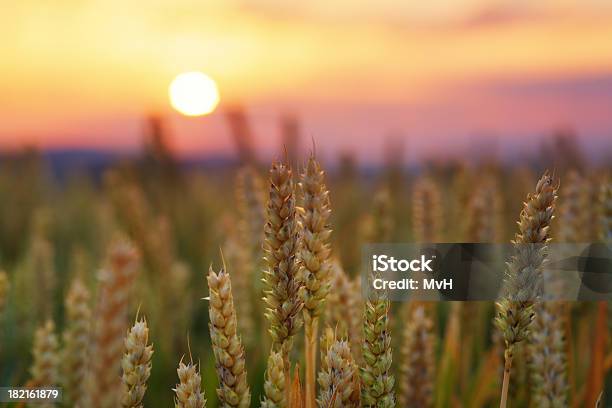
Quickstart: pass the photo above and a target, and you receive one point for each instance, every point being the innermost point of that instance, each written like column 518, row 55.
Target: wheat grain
column 547, row 356
column 314, row 258
column 45, row 351
column 275, row 395
column 136, row 365
column 523, row 282
column 284, row 291
column 76, row 338
column 418, row 360
column 188, row 390
column 315, row 248
column 339, row 376
column 233, row 389
column 111, row 322
column 376, row 376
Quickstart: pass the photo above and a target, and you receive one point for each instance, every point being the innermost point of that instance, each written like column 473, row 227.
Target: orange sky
column 84, row 73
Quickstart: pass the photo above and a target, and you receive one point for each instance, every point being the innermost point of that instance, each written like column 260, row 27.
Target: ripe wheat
column 188, row 390
column 376, row 375
column 76, row 339
column 111, row 323
column 275, row 394
column 233, row 390
column 339, row 375
column 417, row 370
column 136, row 365
column 314, row 260
column 523, row 282
column 45, row 367
column 283, row 293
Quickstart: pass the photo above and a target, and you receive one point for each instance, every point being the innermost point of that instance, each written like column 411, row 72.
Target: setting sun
column 194, row 94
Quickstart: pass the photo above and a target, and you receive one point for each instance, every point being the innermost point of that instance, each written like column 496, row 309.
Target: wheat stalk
column 233, row 389
column 45, row 351
column 76, row 338
column 283, row 293
column 188, row 390
column 275, row 395
column 418, row 360
column 315, row 266
column 111, row 315
column 523, row 281
column 136, row 365
column 376, row 376
column 339, row 376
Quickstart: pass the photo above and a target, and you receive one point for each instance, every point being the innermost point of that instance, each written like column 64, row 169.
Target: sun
column 194, row 94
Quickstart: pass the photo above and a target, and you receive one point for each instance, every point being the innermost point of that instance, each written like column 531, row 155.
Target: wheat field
column 155, row 286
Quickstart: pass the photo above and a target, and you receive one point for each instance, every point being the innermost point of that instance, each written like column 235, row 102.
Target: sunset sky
column 443, row 75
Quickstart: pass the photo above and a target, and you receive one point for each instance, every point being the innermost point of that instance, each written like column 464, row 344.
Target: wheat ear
column 251, row 208
column 76, row 336
column 547, row 345
column 604, row 216
column 548, row 356
column 344, row 309
column 240, row 262
column 233, row 389
column 418, row 360
column 523, row 281
column 426, row 211
column 275, row 395
column 188, row 390
column 45, row 367
column 376, row 377
column 315, row 266
column 136, row 365
column 111, row 322
column 339, row 376
column 283, row 293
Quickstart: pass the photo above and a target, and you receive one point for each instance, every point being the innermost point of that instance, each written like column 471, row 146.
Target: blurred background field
column 469, row 94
